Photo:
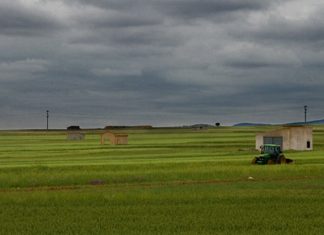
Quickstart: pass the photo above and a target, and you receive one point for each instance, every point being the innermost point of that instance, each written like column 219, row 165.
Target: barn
column 298, row 138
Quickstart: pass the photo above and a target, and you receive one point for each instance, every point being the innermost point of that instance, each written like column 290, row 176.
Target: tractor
column 271, row 154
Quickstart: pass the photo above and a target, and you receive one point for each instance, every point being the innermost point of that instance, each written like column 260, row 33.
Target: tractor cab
column 271, row 149
column 271, row 154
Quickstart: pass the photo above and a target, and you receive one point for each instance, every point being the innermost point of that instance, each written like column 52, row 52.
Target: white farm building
column 289, row 137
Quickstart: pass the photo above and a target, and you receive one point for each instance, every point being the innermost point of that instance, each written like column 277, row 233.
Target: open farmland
column 166, row 181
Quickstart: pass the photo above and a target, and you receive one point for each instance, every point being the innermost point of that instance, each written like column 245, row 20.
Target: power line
column 47, row 116
column 305, row 110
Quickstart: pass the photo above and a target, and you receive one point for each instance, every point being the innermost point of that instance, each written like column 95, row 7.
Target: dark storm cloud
column 291, row 31
column 245, row 64
column 189, row 9
column 297, row 29
column 183, row 8
column 121, row 21
column 130, row 38
column 283, row 29
column 113, row 4
column 146, row 38
column 159, row 62
column 15, row 19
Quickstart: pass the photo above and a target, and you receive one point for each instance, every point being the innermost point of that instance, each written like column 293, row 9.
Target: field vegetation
column 166, row 181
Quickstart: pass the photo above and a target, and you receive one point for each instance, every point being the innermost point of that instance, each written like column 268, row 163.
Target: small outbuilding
column 114, row 138
column 73, row 128
column 75, row 135
column 289, row 137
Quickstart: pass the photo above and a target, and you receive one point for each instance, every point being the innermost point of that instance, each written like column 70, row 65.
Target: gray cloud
column 183, row 8
column 291, row 30
column 18, row 19
column 206, row 8
column 22, row 69
column 121, row 20
column 158, row 62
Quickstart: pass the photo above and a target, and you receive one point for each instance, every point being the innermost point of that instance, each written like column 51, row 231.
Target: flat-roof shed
column 289, row 137
column 114, row 138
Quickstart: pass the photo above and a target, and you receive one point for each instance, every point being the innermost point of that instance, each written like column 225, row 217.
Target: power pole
column 305, row 109
column 47, row 116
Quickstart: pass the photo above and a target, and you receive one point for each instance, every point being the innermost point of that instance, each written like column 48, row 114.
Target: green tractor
column 271, row 154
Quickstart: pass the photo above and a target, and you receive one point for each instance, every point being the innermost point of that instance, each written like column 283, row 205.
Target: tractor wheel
column 288, row 161
column 254, row 160
column 282, row 159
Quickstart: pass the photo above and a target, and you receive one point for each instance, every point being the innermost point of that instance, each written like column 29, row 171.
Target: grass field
column 166, row 181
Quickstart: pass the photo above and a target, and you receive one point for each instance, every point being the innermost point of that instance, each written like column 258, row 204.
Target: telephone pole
column 47, row 116
column 305, row 109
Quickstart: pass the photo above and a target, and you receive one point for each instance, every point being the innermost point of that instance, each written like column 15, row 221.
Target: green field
column 166, row 181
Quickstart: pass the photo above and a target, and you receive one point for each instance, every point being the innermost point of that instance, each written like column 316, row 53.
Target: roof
column 296, row 125
column 284, row 128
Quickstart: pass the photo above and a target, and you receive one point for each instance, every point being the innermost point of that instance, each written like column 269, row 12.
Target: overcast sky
column 160, row 62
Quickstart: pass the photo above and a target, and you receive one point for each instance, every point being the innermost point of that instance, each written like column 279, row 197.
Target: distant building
column 290, row 137
column 115, row 139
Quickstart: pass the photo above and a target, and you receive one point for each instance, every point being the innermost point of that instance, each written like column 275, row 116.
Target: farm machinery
column 271, row 154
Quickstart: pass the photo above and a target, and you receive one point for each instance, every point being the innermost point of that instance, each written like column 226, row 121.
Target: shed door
column 273, row 140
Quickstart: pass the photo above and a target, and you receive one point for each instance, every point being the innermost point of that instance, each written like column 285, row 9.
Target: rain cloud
column 159, row 62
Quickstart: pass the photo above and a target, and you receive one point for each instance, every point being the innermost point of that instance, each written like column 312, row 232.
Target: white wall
column 294, row 138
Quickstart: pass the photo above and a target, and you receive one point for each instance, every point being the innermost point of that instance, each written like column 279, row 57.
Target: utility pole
column 305, row 109
column 47, row 116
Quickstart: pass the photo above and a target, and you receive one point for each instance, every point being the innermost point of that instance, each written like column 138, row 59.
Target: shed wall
column 122, row 140
column 284, row 133
column 294, row 138
column 114, row 139
column 300, row 137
